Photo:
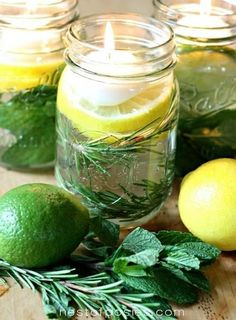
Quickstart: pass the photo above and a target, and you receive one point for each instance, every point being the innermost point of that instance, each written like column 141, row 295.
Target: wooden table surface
column 18, row 304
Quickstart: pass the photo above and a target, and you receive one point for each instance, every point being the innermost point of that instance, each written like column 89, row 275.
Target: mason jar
column 31, row 61
column 117, row 109
column 206, row 70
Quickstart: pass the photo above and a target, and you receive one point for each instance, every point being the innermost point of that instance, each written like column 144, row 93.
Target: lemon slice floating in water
column 96, row 121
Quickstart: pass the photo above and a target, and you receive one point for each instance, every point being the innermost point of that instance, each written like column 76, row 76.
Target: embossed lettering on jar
column 206, row 70
column 31, row 61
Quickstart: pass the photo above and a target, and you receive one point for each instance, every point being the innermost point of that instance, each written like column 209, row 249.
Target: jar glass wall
column 117, row 112
column 31, row 61
column 206, row 70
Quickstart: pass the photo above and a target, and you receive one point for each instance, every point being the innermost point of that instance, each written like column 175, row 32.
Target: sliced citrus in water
column 206, row 68
column 96, row 121
column 20, row 77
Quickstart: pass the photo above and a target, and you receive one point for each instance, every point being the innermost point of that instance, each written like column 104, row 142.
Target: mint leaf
column 182, row 259
column 191, row 245
column 33, row 149
column 192, row 139
column 121, row 266
column 106, row 231
column 146, row 258
column 119, row 252
column 143, row 259
column 97, row 248
column 193, row 277
column 140, row 239
column 164, row 284
column 204, row 251
column 197, row 279
column 33, row 126
column 172, row 288
column 167, row 237
column 165, row 264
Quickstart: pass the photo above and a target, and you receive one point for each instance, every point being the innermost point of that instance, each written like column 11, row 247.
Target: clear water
column 126, row 181
column 27, row 124
column 207, row 127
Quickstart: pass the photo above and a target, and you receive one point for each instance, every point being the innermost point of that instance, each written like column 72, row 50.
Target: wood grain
column 18, row 304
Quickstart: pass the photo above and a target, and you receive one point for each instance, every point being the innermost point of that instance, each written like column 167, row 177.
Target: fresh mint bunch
column 135, row 280
column 166, row 263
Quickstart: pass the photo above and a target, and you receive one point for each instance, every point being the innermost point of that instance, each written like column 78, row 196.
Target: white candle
column 201, row 20
column 25, row 36
column 108, row 62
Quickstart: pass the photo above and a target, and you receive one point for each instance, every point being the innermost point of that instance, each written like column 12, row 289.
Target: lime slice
column 122, row 119
column 20, row 77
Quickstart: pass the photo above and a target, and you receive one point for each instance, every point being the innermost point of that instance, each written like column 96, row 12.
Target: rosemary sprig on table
column 96, row 294
column 133, row 281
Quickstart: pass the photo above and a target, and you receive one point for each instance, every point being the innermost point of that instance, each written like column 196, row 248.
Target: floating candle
column 202, row 19
column 110, row 62
column 117, row 112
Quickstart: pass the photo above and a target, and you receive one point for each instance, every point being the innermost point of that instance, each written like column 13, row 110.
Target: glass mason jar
column 206, row 70
column 117, row 111
column 31, row 60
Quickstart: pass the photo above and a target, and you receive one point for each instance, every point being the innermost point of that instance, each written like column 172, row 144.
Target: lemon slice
column 20, row 77
column 122, row 119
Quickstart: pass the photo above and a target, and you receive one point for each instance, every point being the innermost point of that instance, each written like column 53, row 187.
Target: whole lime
column 207, row 203
column 40, row 224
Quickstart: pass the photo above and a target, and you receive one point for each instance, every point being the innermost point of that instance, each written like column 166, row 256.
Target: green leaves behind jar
column 29, row 119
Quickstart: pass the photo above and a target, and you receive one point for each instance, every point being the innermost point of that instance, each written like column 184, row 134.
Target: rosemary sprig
column 84, row 161
column 130, row 206
column 102, row 155
column 61, row 287
column 97, row 294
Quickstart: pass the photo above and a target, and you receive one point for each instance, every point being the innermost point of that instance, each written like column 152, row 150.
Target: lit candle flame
column 205, row 7
column 31, row 5
column 109, row 42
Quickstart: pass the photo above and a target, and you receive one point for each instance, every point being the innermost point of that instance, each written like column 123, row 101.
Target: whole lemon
column 207, row 203
column 40, row 224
